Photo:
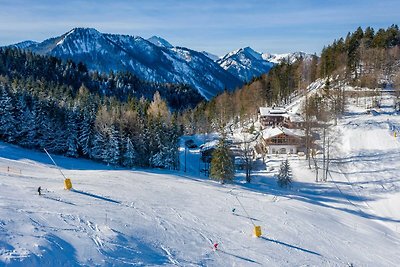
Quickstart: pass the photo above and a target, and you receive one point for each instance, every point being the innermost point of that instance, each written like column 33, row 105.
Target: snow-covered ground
column 367, row 162
column 152, row 217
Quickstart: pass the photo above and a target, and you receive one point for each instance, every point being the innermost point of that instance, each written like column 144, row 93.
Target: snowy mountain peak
column 79, row 40
column 252, row 52
column 245, row 63
column 158, row 41
column 83, row 32
column 246, row 51
column 84, row 29
column 147, row 59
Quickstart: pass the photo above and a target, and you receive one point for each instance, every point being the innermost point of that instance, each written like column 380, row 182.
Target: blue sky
column 274, row 26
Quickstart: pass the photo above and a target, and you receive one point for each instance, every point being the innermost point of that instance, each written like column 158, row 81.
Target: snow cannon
column 67, row 181
column 257, row 231
column 67, row 184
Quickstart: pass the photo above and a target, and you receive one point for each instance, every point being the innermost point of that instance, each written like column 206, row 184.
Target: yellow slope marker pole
column 67, row 181
column 257, row 228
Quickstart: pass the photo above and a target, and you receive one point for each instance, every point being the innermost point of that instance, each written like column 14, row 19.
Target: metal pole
column 245, row 211
column 54, row 163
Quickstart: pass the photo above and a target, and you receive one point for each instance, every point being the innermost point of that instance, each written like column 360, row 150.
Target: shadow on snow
column 95, row 196
column 320, row 194
column 290, row 246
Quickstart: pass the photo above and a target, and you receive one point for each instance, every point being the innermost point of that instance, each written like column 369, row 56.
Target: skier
column 215, row 246
column 39, row 190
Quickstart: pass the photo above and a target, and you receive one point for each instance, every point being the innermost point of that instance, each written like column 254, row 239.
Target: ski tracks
column 170, row 256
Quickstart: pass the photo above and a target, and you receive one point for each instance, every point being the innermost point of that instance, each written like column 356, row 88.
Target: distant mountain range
column 245, row 63
column 289, row 57
column 155, row 59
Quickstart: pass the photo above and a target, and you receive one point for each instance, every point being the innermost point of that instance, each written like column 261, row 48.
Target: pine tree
column 222, row 166
column 129, row 157
column 99, row 142
column 86, row 130
column 72, row 129
column 166, row 152
column 7, row 120
column 285, row 175
column 113, row 146
column 28, row 118
column 22, row 115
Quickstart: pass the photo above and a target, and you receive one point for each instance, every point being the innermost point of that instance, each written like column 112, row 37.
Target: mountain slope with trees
column 148, row 61
column 116, row 118
column 365, row 57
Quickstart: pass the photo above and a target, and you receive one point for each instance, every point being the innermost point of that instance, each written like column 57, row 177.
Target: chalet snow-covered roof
column 209, row 145
column 277, row 111
column 272, row 132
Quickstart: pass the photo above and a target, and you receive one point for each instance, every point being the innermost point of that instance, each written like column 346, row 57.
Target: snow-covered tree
column 28, row 119
column 22, row 117
column 285, row 175
column 72, row 129
column 113, row 147
column 166, row 154
column 99, row 142
column 129, row 157
column 86, row 132
column 222, row 166
column 7, row 119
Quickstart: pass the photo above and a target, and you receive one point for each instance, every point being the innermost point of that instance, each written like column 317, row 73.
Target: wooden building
column 283, row 141
column 273, row 116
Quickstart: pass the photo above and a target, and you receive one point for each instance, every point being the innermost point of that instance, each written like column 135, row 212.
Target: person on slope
column 215, row 246
column 39, row 190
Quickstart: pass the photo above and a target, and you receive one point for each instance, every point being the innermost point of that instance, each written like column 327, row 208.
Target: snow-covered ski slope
column 367, row 161
column 117, row 217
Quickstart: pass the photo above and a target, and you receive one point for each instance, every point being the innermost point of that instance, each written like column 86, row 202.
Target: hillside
column 156, row 60
column 142, row 217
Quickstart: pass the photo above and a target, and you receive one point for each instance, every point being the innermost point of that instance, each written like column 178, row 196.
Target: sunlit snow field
column 152, row 217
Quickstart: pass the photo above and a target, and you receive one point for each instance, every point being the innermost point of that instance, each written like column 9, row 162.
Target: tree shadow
column 320, row 194
column 367, row 156
column 290, row 246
